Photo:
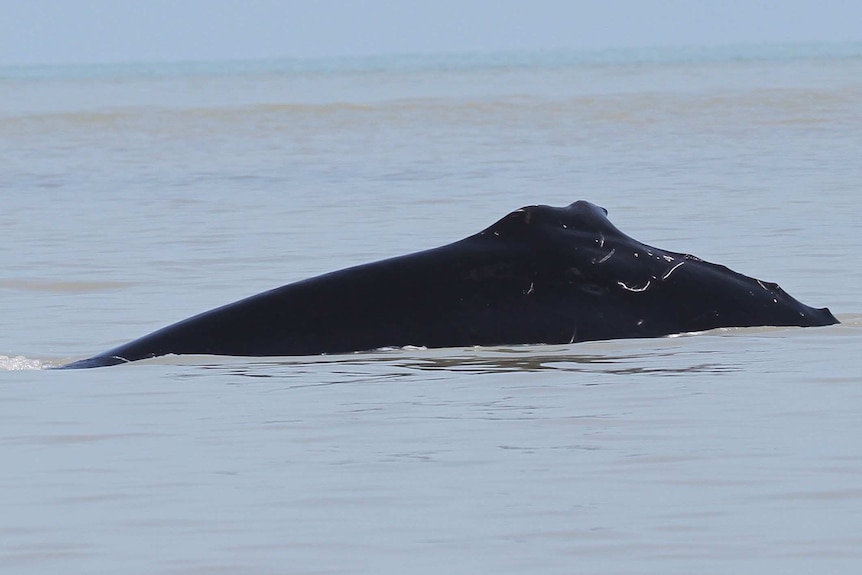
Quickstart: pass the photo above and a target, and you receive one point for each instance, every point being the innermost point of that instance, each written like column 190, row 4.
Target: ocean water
column 135, row 195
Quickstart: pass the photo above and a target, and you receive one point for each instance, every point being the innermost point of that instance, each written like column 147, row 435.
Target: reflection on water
column 629, row 357
column 678, row 354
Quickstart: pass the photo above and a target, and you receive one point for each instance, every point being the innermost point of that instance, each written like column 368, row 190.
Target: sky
column 94, row 31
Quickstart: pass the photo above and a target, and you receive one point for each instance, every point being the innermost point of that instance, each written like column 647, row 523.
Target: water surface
column 137, row 195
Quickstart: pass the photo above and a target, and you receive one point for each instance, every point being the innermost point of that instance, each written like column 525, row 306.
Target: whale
column 539, row 275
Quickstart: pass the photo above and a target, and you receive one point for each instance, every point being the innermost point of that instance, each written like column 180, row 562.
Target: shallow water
column 135, row 197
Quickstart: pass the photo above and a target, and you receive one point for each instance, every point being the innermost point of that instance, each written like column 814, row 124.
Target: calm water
column 136, row 195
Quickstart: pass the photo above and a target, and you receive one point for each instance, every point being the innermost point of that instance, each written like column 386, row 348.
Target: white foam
column 20, row 362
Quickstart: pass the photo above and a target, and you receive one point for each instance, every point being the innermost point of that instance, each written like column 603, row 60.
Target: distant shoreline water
column 537, row 77
column 454, row 61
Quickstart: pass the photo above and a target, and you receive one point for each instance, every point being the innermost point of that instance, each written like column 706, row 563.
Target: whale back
column 541, row 274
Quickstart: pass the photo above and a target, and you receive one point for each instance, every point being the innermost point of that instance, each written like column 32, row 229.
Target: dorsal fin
column 580, row 216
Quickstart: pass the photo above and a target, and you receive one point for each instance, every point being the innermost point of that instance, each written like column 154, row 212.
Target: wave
column 783, row 106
